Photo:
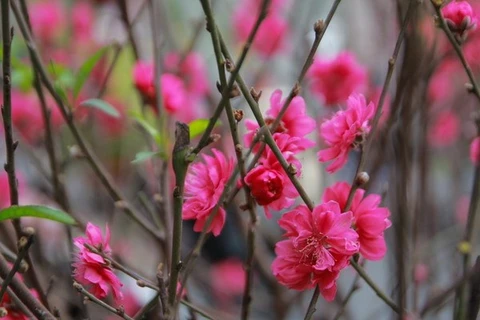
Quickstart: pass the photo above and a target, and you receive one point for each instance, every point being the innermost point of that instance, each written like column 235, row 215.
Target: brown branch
column 24, row 294
column 119, row 312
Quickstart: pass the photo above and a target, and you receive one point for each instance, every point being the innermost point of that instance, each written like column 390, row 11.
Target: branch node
column 255, row 94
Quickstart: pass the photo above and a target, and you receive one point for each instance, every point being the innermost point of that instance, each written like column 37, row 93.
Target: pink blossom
column 204, row 185
column 270, row 186
column 83, row 18
column 369, row 219
column 27, row 117
column 92, row 269
column 475, row 151
column 444, row 130
column 173, row 90
column 345, row 130
column 192, row 69
column 272, row 33
column 228, row 279
column 333, row 81
column 295, row 122
column 318, row 247
column 459, row 16
column 47, row 19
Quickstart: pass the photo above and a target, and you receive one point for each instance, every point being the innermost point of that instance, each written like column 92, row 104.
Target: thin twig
column 119, row 312
column 196, row 309
column 122, row 5
column 24, row 244
column 350, row 293
column 313, row 301
column 116, row 56
column 24, row 294
column 372, row 285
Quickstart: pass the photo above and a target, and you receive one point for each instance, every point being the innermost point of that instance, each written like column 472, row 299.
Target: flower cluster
column 204, row 185
column 269, row 184
column 93, row 270
column 321, row 242
column 345, row 130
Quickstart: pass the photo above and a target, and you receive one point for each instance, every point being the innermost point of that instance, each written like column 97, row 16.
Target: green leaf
column 22, row 78
column 145, row 155
column 102, row 106
column 198, row 127
column 85, row 70
column 15, row 212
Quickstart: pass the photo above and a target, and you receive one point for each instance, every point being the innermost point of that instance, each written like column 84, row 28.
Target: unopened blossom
column 173, row 90
column 295, row 122
column 459, row 16
column 47, row 19
column 269, row 184
column 91, row 269
column 369, row 219
column 444, row 130
column 204, row 185
column 318, row 246
column 475, row 151
column 333, row 81
column 272, row 34
column 345, row 130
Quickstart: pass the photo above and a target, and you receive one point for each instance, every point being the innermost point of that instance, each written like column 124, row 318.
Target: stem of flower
column 180, row 166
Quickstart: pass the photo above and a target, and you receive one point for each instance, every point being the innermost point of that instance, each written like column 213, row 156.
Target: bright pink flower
column 91, row 269
column 272, row 33
column 345, row 130
column 270, row 186
column 369, row 219
column 333, row 81
column 83, row 17
column 27, row 117
column 445, row 129
column 228, row 280
column 204, row 185
column 47, row 19
column 295, row 122
column 192, row 70
column 459, row 16
column 173, row 90
column 421, row 273
column 144, row 79
column 475, row 151
column 318, row 247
